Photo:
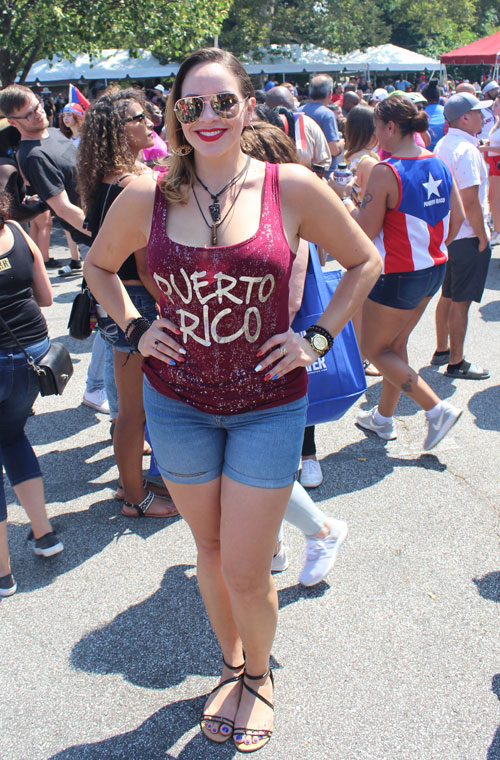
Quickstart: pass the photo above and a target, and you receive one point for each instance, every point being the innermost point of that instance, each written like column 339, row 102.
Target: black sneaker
column 47, row 545
column 8, row 586
column 51, row 263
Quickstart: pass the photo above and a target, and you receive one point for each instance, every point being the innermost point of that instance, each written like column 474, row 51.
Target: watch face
column 319, row 343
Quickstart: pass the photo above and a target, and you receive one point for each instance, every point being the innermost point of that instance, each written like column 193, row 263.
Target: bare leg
column 385, row 334
column 128, row 436
column 457, row 320
column 199, row 505
column 357, row 323
column 4, row 550
column 494, row 199
column 40, row 228
column 32, row 498
column 235, row 527
column 73, row 247
column 442, row 329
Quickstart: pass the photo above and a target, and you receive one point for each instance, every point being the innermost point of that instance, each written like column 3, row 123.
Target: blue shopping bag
column 337, row 379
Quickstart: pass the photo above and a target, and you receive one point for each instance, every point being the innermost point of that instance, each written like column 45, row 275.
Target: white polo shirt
column 459, row 151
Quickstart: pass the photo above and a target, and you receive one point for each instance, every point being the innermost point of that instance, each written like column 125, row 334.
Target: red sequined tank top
column 227, row 301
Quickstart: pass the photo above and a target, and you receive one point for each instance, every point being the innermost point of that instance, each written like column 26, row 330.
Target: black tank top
column 17, row 303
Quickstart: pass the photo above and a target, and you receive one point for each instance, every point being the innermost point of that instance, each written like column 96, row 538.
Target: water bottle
column 342, row 174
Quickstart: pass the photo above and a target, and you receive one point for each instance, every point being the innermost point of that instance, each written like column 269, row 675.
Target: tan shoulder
column 295, row 180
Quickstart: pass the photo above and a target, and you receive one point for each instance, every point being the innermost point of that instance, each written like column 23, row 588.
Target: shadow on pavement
column 484, row 406
column 364, row 463
column 490, row 312
column 84, row 534
column 46, row 427
column 179, row 641
column 489, row 588
column 153, row 739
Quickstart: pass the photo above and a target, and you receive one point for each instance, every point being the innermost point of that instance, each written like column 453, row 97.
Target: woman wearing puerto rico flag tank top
column 225, row 387
column 411, row 209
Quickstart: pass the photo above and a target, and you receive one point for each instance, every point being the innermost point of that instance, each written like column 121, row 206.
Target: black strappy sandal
column 256, row 734
column 221, row 722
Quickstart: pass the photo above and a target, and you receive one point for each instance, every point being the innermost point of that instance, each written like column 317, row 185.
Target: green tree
column 34, row 29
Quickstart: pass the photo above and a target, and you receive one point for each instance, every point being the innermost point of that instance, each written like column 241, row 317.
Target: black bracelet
column 322, row 331
column 133, row 323
column 135, row 330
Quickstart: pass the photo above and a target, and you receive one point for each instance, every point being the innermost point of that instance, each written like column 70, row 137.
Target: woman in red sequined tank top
column 225, row 382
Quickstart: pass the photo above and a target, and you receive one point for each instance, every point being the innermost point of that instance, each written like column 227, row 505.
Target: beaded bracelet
column 135, row 330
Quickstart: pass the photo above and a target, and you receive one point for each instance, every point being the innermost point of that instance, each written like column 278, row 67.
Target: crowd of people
column 193, row 211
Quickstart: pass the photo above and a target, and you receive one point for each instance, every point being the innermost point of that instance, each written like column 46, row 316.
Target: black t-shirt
column 17, row 304
column 49, row 167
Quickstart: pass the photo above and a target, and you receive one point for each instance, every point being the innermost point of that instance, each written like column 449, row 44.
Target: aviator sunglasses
column 223, row 104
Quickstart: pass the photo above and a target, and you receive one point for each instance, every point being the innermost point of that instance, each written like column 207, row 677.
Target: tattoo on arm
column 367, row 198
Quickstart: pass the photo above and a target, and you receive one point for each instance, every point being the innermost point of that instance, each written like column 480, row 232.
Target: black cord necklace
column 215, row 207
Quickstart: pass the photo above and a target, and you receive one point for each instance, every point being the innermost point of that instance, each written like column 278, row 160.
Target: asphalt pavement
column 106, row 651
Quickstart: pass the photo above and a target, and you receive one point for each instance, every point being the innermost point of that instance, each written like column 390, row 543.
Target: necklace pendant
column 214, row 234
column 214, row 209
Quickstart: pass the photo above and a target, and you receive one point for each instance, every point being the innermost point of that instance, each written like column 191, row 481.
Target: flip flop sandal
column 223, row 726
column 254, row 735
column 143, row 506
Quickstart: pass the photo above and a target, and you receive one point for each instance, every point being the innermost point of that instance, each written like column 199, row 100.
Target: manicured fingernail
column 182, row 351
column 259, row 353
column 258, row 368
column 172, row 362
column 180, row 359
column 177, row 331
column 267, row 377
column 274, row 377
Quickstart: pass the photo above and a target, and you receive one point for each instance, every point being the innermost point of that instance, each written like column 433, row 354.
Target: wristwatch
column 320, row 339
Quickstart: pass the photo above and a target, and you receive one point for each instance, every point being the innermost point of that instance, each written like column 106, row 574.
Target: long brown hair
column 175, row 186
column 359, row 129
column 103, row 147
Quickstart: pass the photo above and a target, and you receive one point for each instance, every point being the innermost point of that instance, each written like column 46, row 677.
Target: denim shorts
column 259, row 448
column 406, row 290
column 145, row 305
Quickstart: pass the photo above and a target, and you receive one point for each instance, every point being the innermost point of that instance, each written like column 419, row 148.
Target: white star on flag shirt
column 432, row 186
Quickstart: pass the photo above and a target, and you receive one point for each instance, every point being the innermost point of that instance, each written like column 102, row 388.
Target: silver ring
column 282, row 350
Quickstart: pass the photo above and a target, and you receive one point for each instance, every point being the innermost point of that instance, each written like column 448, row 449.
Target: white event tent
column 388, row 58
column 109, row 64
column 115, row 64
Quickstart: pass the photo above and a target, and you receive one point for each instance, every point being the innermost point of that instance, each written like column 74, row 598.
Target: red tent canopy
column 485, row 50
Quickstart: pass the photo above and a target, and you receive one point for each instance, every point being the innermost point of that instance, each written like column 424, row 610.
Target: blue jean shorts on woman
column 406, row 290
column 259, row 448
column 145, row 305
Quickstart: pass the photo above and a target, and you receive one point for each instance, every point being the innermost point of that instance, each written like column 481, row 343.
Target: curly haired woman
column 115, row 129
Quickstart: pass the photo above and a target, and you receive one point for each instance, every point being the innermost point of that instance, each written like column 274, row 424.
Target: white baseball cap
column 490, row 86
column 379, row 94
column 159, row 87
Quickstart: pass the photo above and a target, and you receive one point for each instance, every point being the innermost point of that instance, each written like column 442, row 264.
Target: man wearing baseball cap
column 490, row 92
column 469, row 254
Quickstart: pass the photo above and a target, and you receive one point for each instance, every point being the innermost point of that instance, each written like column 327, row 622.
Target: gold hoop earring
column 182, row 150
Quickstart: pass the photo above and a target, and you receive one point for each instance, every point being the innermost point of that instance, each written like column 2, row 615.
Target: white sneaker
column 96, row 400
column 386, row 431
column 311, row 475
column 321, row 553
column 441, row 425
column 280, row 560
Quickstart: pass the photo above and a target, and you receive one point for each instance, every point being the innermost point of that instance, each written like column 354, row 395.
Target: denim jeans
column 95, row 372
column 18, row 390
